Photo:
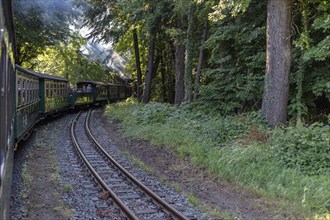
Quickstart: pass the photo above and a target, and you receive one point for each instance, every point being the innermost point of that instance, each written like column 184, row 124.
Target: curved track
column 134, row 199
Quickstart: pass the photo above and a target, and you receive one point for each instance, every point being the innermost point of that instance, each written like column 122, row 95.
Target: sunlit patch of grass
column 193, row 199
column 67, row 187
column 322, row 217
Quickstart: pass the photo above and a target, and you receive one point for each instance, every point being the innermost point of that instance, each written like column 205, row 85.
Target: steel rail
column 167, row 208
column 124, row 209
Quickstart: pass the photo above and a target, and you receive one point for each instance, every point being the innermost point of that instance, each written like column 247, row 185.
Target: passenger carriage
column 122, row 92
column 101, row 92
column 113, row 92
column 49, row 97
column 7, row 104
column 53, row 94
column 27, row 101
column 89, row 93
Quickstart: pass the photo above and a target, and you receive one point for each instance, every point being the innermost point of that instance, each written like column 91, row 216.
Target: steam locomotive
column 27, row 97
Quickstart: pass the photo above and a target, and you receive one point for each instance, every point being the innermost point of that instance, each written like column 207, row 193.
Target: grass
column 138, row 162
column 235, row 148
column 67, row 187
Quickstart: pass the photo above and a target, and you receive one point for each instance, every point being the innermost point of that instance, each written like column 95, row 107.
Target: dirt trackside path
column 42, row 192
column 45, row 193
column 220, row 198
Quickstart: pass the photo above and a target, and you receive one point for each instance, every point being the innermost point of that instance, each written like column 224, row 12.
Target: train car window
column 19, row 92
column 37, row 89
column 65, row 91
column 51, row 89
column 28, row 90
column 47, row 90
column 23, row 92
column 33, row 91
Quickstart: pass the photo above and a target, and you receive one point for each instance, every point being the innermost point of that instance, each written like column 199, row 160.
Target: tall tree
column 148, row 78
column 200, row 60
column 189, row 53
column 278, row 63
column 179, row 67
column 138, row 64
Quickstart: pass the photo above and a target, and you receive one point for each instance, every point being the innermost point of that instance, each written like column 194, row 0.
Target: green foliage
column 310, row 63
column 306, row 149
column 66, row 60
column 40, row 23
column 234, row 77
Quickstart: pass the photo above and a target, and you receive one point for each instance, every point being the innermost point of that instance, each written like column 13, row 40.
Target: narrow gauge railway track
column 134, row 200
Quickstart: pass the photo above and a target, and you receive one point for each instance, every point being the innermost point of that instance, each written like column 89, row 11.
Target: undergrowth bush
column 241, row 149
column 304, row 148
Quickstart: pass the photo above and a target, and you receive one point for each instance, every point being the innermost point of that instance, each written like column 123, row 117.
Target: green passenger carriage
column 113, row 92
column 53, row 94
column 7, row 104
column 88, row 93
column 27, row 101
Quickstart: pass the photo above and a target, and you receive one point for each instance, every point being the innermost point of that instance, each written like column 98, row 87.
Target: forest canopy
column 215, row 55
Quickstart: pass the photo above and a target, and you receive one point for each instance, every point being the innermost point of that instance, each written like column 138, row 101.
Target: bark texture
column 179, row 74
column 151, row 54
column 278, row 62
column 200, row 59
column 138, row 65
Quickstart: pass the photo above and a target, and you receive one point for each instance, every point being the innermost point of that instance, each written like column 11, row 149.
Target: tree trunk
column 155, row 67
column 179, row 65
column 179, row 74
column 200, row 59
column 163, row 74
column 138, row 65
column 189, row 54
column 151, row 54
column 278, row 62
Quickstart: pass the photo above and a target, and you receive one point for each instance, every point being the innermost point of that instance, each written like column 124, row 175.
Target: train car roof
column 41, row 75
column 92, row 82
